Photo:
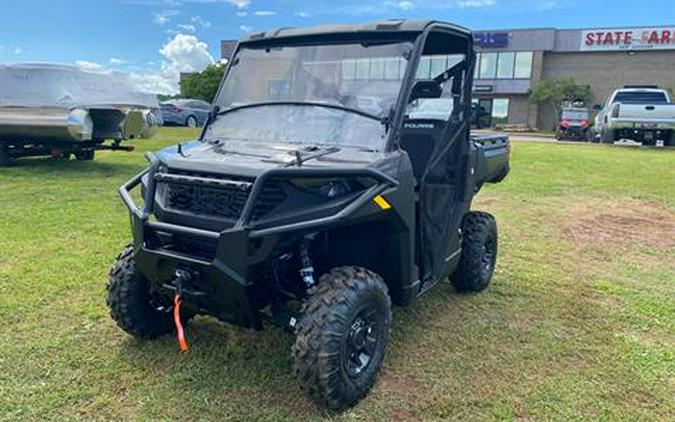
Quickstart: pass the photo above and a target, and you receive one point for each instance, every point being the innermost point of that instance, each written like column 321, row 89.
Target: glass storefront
column 523, row 65
column 489, row 111
column 504, row 65
column 500, row 111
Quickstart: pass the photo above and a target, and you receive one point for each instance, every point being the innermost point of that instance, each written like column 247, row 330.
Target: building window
column 424, row 68
column 362, row 69
column 392, row 69
column 476, row 73
column 500, row 111
column 349, row 70
column 377, row 69
column 523, row 68
column 438, row 65
column 488, row 65
column 505, row 64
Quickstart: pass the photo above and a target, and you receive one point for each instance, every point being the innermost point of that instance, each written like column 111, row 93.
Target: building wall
column 519, row 110
column 607, row 71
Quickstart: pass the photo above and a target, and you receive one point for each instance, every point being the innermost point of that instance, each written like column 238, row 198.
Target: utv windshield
column 337, row 95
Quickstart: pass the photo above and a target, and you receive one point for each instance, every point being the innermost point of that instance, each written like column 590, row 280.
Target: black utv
column 334, row 177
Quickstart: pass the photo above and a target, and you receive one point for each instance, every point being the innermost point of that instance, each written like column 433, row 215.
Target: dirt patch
column 400, row 386
column 618, row 226
column 407, row 390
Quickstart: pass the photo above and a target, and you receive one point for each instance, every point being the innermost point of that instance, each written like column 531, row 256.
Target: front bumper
column 223, row 285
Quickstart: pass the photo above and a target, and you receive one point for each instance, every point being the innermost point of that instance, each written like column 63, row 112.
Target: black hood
column 249, row 158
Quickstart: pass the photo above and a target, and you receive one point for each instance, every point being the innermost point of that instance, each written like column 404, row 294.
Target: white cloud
column 246, row 28
column 154, row 83
column 405, row 5
column 87, row 65
column 17, row 50
column 264, row 13
column 198, row 20
column 548, row 5
column 302, row 14
column 476, row 3
column 241, row 4
column 242, row 14
column 182, row 53
column 186, row 28
column 164, row 16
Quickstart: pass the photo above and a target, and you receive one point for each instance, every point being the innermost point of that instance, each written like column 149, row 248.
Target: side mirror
column 597, row 107
column 426, row 89
column 213, row 114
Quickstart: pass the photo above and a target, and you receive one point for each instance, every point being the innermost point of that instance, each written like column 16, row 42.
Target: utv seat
column 419, row 138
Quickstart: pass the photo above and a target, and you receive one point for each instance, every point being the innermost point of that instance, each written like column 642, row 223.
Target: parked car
column 190, row 113
column 310, row 212
column 573, row 124
column 640, row 113
column 61, row 110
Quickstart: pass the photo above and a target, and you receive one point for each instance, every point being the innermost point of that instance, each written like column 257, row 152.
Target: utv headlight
column 327, row 188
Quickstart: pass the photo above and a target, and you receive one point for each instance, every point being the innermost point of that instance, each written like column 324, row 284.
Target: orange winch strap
column 179, row 326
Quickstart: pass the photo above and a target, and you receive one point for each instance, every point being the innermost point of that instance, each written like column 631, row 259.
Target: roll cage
column 417, row 32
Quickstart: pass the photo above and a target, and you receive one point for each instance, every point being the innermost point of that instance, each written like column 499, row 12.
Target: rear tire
column 479, row 253
column 668, row 142
column 607, row 136
column 85, row 154
column 5, row 158
column 129, row 300
column 191, row 122
column 342, row 336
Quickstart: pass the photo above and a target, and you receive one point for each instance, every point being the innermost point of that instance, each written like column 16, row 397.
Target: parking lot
column 579, row 323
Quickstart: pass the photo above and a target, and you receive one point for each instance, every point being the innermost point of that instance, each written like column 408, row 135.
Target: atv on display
column 334, row 177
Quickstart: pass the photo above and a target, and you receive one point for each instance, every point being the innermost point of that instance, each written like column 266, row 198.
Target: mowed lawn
column 579, row 323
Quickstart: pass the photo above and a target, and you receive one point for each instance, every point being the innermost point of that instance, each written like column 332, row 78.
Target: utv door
column 440, row 102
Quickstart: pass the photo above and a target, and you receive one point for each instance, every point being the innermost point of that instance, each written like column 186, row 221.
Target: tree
column 560, row 92
column 166, row 97
column 203, row 85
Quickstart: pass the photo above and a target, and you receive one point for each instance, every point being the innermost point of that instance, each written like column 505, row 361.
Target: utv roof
column 379, row 27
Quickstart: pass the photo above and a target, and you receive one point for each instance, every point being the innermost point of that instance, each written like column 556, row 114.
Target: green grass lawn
column 579, row 323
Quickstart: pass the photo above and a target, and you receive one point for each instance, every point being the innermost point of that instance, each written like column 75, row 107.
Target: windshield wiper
column 315, row 151
column 380, row 119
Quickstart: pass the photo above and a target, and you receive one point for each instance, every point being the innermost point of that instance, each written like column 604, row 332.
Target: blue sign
column 491, row 39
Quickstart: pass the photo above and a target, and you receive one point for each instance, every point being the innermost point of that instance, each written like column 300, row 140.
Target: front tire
column 132, row 306
column 479, row 253
column 342, row 336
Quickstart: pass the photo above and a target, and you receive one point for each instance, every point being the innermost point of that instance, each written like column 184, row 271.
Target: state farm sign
column 628, row 39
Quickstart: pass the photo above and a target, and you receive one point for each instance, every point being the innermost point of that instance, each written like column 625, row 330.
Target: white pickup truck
column 641, row 114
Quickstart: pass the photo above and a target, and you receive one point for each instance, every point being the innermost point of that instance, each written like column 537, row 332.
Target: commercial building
column 512, row 61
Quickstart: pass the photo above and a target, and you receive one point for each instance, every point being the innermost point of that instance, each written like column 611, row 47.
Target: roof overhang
column 387, row 29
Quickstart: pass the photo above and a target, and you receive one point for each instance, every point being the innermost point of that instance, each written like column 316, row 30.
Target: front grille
column 223, row 200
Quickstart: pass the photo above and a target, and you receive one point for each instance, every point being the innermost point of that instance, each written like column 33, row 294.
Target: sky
column 155, row 40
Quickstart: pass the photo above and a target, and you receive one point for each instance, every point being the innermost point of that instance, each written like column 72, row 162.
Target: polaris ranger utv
column 335, row 176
